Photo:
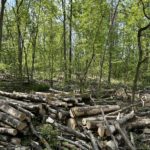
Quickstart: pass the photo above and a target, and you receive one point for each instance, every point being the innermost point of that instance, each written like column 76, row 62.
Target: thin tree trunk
column 33, row 52
column 51, row 52
column 34, row 40
column 20, row 38
column 104, row 52
column 140, row 59
column 64, row 38
column 110, row 66
column 26, row 61
column 20, row 49
column 70, row 39
column 1, row 23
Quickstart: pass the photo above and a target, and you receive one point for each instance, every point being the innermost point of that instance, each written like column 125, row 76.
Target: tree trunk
column 34, row 35
column 107, row 40
column 20, row 40
column 9, row 131
column 70, row 39
column 140, row 60
column 92, row 110
column 1, row 24
column 12, row 111
column 64, row 39
column 12, row 121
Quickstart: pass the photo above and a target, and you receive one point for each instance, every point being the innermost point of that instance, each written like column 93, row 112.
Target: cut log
column 28, row 113
column 21, row 96
column 146, row 131
column 62, row 115
column 101, row 131
column 94, row 124
column 140, row 123
column 12, row 121
column 91, row 110
column 58, row 103
column 12, row 111
column 26, row 105
column 71, row 123
column 96, row 118
column 9, row 131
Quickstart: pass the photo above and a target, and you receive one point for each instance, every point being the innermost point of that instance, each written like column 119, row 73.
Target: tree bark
column 20, row 40
column 9, row 131
column 1, row 23
column 12, row 111
column 64, row 39
column 91, row 110
column 12, row 121
column 140, row 58
column 70, row 40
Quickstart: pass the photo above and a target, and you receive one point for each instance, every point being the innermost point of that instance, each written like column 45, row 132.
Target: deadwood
column 9, row 131
column 92, row 110
column 12, row 121
column 12, row 111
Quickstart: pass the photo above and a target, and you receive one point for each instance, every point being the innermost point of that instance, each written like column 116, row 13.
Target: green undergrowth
column 50, row 134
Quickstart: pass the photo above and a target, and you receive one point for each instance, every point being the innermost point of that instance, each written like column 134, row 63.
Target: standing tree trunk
column 70, row 39
column 1, row 23
column 107, row 40
column 34, row 36
column 20, row 49
column 64, row 38
column 140, row 59
column 20, row 38
column 111, row 39
column 110, row 43
column 51, row 52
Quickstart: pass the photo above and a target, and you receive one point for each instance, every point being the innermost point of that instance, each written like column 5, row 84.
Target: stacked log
column 82, row 125
column 16, row 111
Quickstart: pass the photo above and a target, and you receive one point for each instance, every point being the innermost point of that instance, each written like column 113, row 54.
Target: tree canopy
column 79, row 40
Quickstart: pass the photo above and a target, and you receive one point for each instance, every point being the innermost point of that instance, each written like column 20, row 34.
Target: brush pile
column 83, row 122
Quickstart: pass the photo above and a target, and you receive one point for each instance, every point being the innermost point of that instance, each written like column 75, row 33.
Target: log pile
column 82, row 122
